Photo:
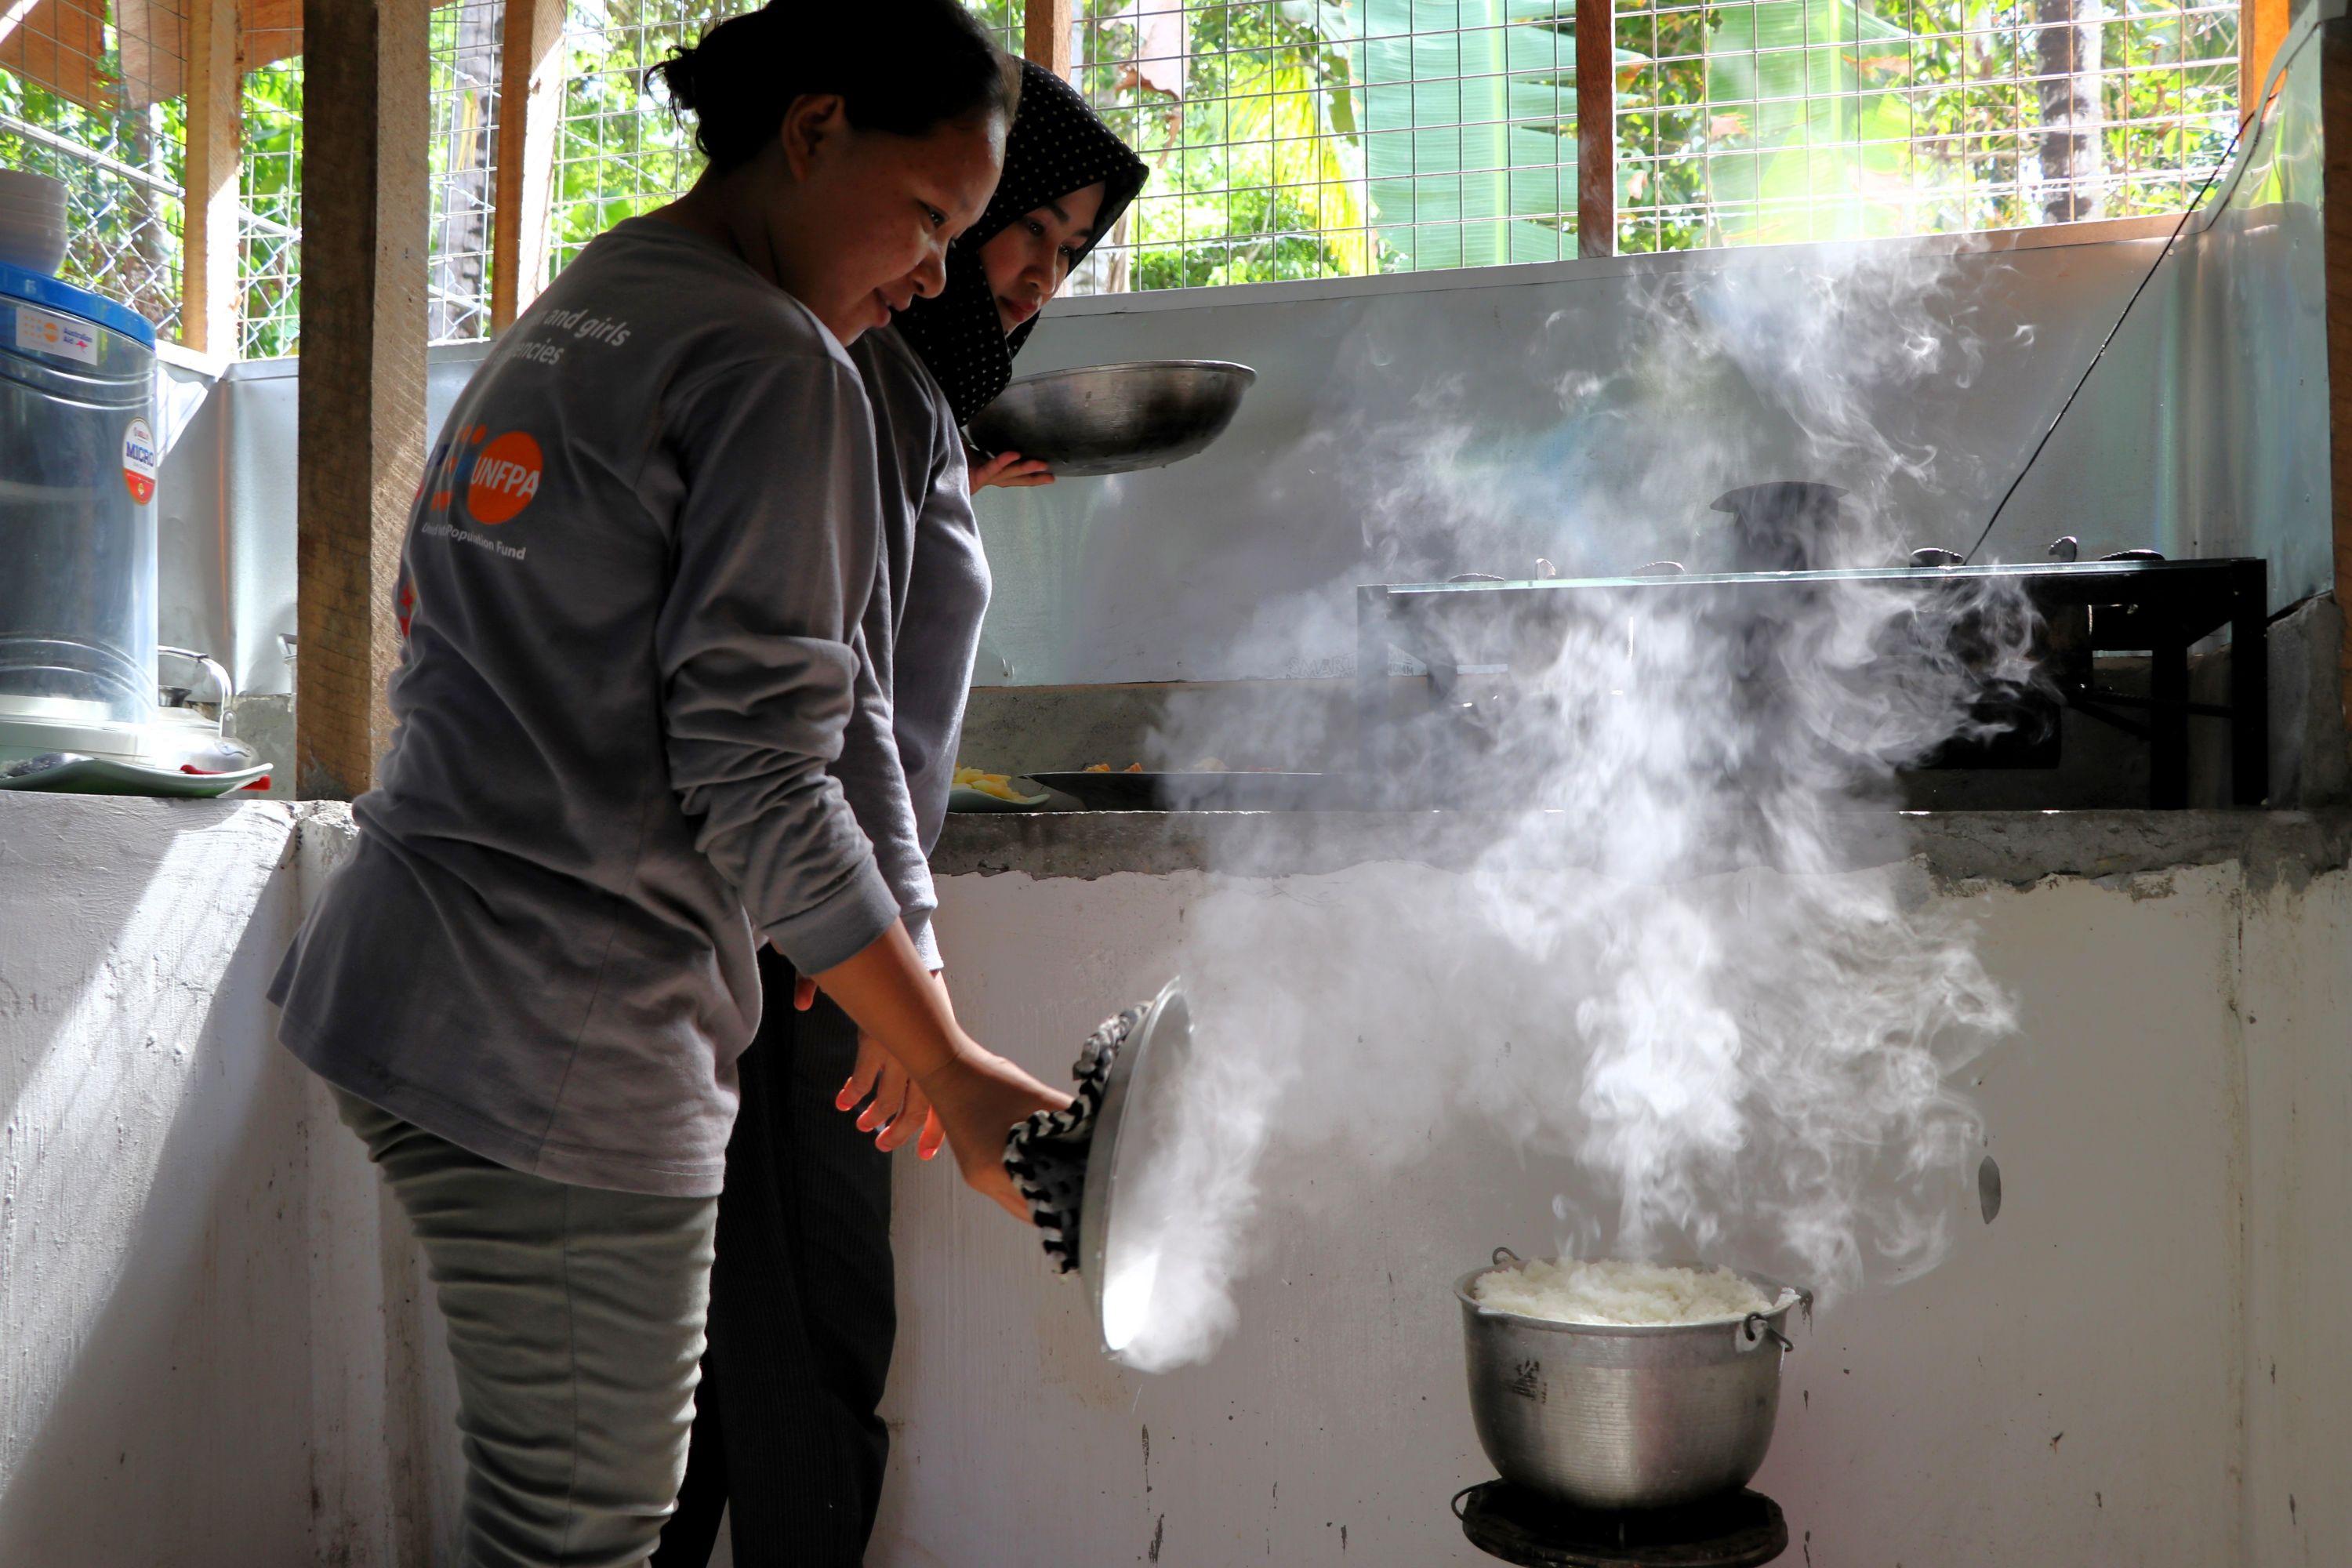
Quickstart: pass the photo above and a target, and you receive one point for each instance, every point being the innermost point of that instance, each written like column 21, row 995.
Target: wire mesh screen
column 465, row 41
column 88, row 104
column 1311, row 138
column 1006, row 20
column 1777, row 120
column 1326, row 138
column 620, row 152
column 269, row 212
column 1260, row 126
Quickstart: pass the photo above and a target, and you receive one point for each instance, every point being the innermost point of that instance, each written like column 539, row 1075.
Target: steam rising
column 1687, row 980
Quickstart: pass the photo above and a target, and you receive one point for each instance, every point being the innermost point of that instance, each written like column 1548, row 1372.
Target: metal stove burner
column 1738, row 1529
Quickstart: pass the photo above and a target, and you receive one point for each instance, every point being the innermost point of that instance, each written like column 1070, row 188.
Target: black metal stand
column 2191, row 600
column 1738, row 1529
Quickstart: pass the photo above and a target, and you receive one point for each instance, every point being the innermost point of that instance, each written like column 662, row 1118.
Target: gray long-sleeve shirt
column 639, row 563
column 921, row 628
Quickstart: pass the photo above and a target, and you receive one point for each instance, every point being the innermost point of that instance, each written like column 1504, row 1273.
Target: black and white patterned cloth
column 1047, row 1155
column 1057, row 146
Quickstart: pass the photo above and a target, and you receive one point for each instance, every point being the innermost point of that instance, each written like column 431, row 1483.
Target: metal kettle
column 1787, row 525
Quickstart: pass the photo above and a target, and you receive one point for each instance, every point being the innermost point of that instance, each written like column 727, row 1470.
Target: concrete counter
column 189, row 1246
column 2016, row 848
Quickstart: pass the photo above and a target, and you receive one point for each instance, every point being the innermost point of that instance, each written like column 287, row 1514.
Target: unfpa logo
column 505, row 478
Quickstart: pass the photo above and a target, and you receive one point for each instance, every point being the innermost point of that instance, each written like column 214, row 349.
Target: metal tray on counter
column 1198, row 791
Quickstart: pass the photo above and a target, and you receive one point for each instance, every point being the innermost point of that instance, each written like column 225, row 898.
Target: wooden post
column 530, row 111
column 2262, row 28
column 365, row 225
column 1046, row 34
column 1596, row 128
column 2335, row 218
column 208, row 269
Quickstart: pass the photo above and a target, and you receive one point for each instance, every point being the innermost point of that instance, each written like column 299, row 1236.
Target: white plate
column 963, row 797
column 74, row 774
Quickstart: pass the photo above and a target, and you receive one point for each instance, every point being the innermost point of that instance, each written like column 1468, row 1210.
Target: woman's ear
column 813, row 125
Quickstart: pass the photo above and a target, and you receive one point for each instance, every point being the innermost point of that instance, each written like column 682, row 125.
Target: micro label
column 60, row 335
column 139, row 458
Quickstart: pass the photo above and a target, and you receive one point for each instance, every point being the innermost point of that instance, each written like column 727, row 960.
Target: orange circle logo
column 505, row 478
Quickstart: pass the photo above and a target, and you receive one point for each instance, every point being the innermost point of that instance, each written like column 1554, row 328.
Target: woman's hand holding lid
column 979, row 1102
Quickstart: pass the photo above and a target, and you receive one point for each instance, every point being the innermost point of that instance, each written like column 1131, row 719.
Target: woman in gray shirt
column 631, row 589
column 802, row 1310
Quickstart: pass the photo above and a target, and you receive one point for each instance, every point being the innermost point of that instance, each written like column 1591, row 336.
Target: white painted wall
column 2082, row 1383
column 209, row 1315
column 217, row 1350
column 2294, row 987
column 154, row 1393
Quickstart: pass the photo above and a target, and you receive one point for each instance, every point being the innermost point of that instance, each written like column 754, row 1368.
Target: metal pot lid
column 1131, row 1192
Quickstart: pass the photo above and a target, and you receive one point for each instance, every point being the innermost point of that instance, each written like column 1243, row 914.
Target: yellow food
column 997, row 784
column 1098, row 767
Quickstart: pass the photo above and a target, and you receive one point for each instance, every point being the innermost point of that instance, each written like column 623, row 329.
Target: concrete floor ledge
column 2015, row 848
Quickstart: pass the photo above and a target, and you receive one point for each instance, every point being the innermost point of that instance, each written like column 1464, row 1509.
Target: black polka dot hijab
column 1056, row 145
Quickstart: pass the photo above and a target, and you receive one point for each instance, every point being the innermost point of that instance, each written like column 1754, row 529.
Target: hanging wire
column 2161, row 256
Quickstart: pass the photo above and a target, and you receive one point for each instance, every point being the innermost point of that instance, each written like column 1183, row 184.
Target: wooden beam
column 273, row 32
column 1596, row 128
column 2262, row 28
column 208, row 267
column 1046, row 34
column 59, row 45
column 361, row 446
column 155, row 42
column 2335, row 221
column 530, row 109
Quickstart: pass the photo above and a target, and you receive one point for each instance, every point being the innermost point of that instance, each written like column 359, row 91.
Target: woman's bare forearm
column 977, row 1096
column 891, row 995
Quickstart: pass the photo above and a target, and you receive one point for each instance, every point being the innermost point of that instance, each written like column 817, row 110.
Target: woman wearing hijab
column 802, row 1313
column 631, row 590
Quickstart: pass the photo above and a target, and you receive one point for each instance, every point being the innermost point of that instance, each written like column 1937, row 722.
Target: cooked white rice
column 1604, row 1290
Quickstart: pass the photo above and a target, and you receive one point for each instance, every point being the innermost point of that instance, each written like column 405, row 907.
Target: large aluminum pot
column 1602, row 1416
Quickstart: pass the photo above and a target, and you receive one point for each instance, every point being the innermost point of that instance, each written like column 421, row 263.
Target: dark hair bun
column 902, row 65
column 677, row 77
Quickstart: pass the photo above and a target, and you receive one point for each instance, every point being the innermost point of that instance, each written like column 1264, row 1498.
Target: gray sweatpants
column 575, row 1318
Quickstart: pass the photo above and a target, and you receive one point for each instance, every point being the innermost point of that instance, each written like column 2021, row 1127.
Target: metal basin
column 1602, row 1416
column 1114, row 419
